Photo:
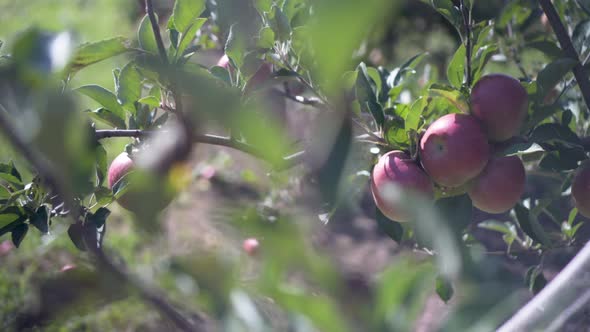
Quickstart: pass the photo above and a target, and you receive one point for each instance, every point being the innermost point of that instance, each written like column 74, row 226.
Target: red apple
column 454, row 149
column 499, row 187
column 140, row 193
column 500, row 102
column 581, row 189
column 251, row 246
column 120, row 166
column 396, row 168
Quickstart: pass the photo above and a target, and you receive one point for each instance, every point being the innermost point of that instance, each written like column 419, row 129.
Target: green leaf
column 151, row 101
column 366, row 95
column 454, row 96
column 530, row 225
column 221, row 73
column 281, row 26
column 91, row 53
column 101, row 163
column 263, row 6
column 548, row 47
column 185, row 12
column 552, row 133
column 104, row 196
column 390, row 227
column 481, row 58
column 105, row 116
column 572, row 216
column 395, row 128
column 10, row 215
column 40, row 219
column 4, row 194
column 581, row 36
column 375, row 77
column 524, row 150
column 449, row 11
column 516, row 11
column 18, row 234
column 105, row 98
column 562, row 159
column 540, row 113
column 456, row 68
column 535, row 279
column 146, row 37
column 99, row 217
column 266, row 38
column 505, row 228
column 444, row 289
column 188, row 36
column 412, row 120
column 9, row 173
column 555, row 71
column 129, row 87
column 234, row 47
column 408, row 67
column 76, row 234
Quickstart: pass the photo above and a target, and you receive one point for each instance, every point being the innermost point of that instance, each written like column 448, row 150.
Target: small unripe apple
column 500, row 102
column 251, row 246
column 581, row 189
column 158, row 193
column 121, row 165
column 454, row 149
column 499, row 186
column 67, row 267
column 397, row 169
column 223, row 62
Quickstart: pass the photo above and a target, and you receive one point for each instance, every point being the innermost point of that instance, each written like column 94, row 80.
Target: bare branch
column 288, row 161
column 566, row 288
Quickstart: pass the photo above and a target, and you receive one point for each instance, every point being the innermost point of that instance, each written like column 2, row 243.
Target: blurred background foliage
column 290, row 286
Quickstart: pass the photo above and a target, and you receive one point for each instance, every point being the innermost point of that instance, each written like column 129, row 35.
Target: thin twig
column 467, row 26
column 149, row 8
column 568, row 48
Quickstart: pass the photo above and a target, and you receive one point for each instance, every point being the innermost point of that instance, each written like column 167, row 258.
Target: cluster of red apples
column 458, row 150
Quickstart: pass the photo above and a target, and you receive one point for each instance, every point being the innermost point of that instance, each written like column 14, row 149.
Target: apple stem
column 466, row 12
column 568, row 48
